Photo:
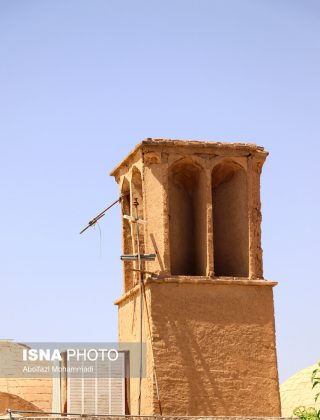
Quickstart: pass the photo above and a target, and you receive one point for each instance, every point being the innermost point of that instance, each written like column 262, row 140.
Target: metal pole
column 136, row 204
column 10, row 414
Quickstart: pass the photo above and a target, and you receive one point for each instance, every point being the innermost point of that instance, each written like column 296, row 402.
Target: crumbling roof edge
column 126, row 159
column 250, row 147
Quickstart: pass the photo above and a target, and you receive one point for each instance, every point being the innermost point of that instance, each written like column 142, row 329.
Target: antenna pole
column 136, row 204
column 95, row 219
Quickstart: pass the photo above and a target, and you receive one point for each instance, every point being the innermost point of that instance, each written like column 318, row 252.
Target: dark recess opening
column 136, row 185
column 126, row 234
column 187, row 219
column 230, row 220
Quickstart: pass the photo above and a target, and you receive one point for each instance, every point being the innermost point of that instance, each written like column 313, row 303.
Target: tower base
column 213, row 342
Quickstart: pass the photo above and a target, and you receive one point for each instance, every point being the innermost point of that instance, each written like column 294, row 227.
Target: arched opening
column 126, row 234
column 230, row 220
column 187, row 219
column 137, row 196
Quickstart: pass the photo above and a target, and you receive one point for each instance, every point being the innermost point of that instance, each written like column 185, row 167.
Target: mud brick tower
column 211, row 312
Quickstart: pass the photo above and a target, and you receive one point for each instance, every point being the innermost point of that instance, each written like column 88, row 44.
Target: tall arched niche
column 187, row 219
column 137, row 196
column 230, row 219
column 126, row 233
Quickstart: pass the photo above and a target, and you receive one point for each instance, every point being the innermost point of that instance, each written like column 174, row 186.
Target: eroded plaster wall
column 215, row 349
column 129, row 332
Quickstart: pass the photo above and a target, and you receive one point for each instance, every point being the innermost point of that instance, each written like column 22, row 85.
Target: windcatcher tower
column 211, row 313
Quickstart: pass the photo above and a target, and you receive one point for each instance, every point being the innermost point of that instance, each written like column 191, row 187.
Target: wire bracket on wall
column 136, row 257
column 132, row 219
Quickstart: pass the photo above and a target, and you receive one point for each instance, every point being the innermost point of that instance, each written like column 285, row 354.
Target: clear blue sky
column 81, row 82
